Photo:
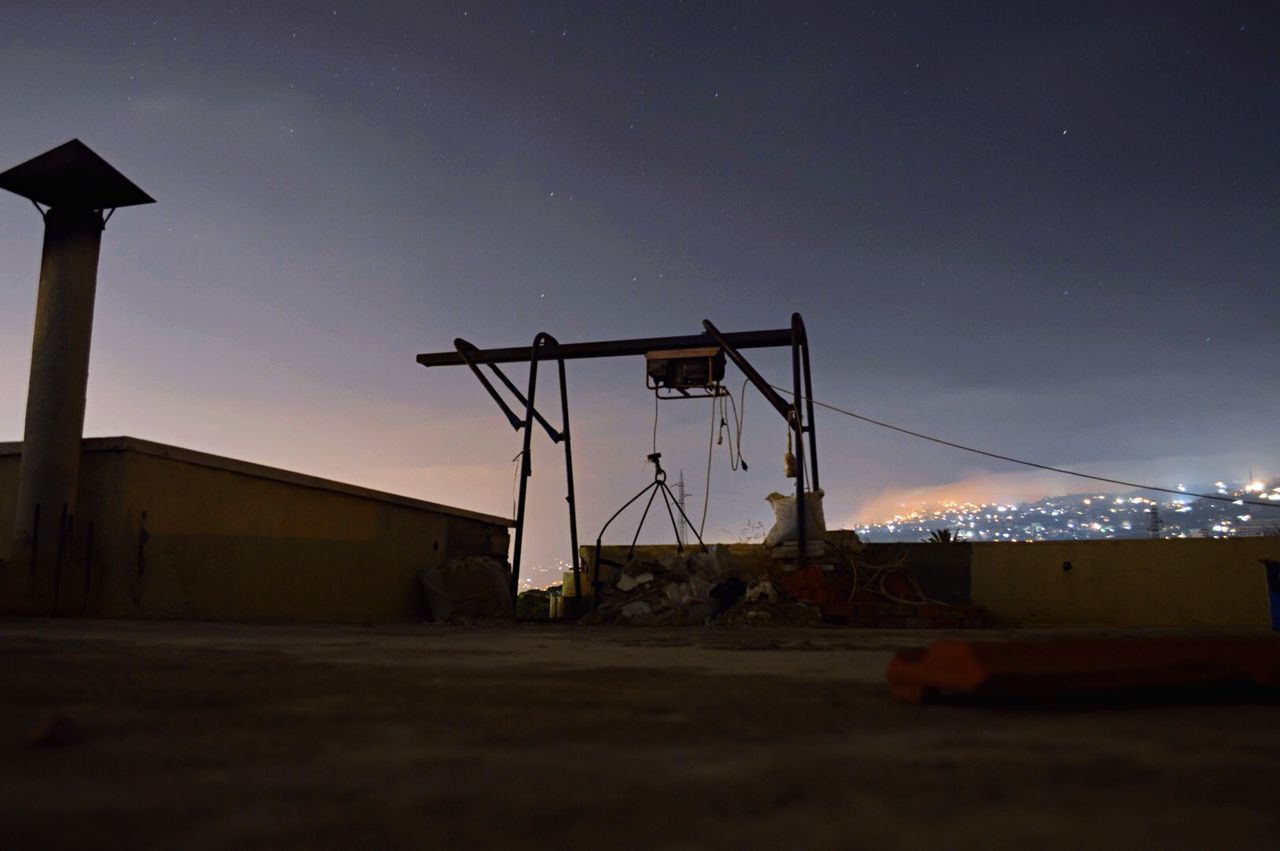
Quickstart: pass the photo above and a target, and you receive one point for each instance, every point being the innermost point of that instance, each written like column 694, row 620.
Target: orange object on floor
column 1064, row 669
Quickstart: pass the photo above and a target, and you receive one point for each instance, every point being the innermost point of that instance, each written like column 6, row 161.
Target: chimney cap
column 73, row 176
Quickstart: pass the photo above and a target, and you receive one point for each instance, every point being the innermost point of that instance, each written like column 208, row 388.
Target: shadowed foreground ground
column 211, row 736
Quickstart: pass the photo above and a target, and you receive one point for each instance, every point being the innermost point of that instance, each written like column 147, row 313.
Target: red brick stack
column 834, row 595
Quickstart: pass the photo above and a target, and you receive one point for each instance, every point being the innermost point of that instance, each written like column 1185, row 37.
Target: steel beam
column 609, row 348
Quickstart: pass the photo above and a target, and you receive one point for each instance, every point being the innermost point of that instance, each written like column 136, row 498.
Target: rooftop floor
column 214, row 735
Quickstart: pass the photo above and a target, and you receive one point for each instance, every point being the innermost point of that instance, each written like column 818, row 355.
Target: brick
column 889, row 623
column 897, row 585
column 947, row 623
column 903, row 610
column 974, row 623
column 918, row 623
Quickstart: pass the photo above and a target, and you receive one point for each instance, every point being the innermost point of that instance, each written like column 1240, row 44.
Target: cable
column 515, row 477
column 711, row 448
column 655, row 421
column 1024, row 463
column 896, row 566
column 735, row 433
column 735, row 440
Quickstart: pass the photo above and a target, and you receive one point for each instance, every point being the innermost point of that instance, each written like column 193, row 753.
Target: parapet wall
column 171, row 533
column 1177, row 582
column 1173, row 583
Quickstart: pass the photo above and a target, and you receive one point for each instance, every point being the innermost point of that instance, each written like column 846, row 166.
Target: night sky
column 1047, row 233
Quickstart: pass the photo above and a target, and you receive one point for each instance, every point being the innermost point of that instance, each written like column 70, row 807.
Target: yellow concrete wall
column 174, row 539
column 1130, row 583
column 8, row 509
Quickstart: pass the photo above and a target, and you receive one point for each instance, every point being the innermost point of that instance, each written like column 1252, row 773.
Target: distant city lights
column 1096, row 516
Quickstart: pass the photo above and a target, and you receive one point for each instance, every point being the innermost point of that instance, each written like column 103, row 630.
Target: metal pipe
column 798, row 331
column 568, row 474
column 613, row 348
column 801, row 507
column 725, row 342
column 464, row 350
column 550, row 430
column 526, row 470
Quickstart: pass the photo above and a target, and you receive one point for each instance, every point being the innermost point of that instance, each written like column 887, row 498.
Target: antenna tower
column 682, row 531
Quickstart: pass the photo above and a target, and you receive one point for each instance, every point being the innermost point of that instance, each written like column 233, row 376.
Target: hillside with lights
column 1220, row 510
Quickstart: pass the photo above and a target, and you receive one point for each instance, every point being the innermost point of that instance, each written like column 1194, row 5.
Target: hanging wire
column 999, row 457
column 734, row 432
column 716, row 437
column 711, row 448
column 515, row 477
column 655, row 421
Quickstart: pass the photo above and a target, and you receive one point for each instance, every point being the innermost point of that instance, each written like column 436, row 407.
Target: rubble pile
column 694, row 588
column 473, row 587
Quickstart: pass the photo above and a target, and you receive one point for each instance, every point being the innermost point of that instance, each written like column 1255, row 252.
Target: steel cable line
column 1025, row 463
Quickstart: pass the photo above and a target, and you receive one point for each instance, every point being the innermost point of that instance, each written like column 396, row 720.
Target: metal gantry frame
column 798, row 413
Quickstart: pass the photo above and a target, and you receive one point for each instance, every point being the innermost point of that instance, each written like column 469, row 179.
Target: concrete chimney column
column 49, row 470
column 76, row 185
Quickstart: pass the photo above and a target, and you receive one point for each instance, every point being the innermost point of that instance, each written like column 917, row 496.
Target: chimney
column 72, row 187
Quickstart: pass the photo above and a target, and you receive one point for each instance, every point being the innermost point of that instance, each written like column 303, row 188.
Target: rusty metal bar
column 611, row 348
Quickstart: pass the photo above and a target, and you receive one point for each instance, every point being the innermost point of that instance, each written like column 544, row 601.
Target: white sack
column 784, row 522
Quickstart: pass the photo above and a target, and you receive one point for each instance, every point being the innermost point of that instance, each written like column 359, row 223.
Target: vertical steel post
column 797, row 329
column 526, row 470
column 568, row 474
column 797, row 408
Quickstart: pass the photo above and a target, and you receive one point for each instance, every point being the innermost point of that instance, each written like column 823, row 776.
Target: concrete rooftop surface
column 193, row 735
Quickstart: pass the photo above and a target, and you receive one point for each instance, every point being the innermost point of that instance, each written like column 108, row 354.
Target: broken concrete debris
column 842, row 583
column 741, row 585
column 471, row 587
column 762, row 590
column 636, row 611
column 694, row 588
